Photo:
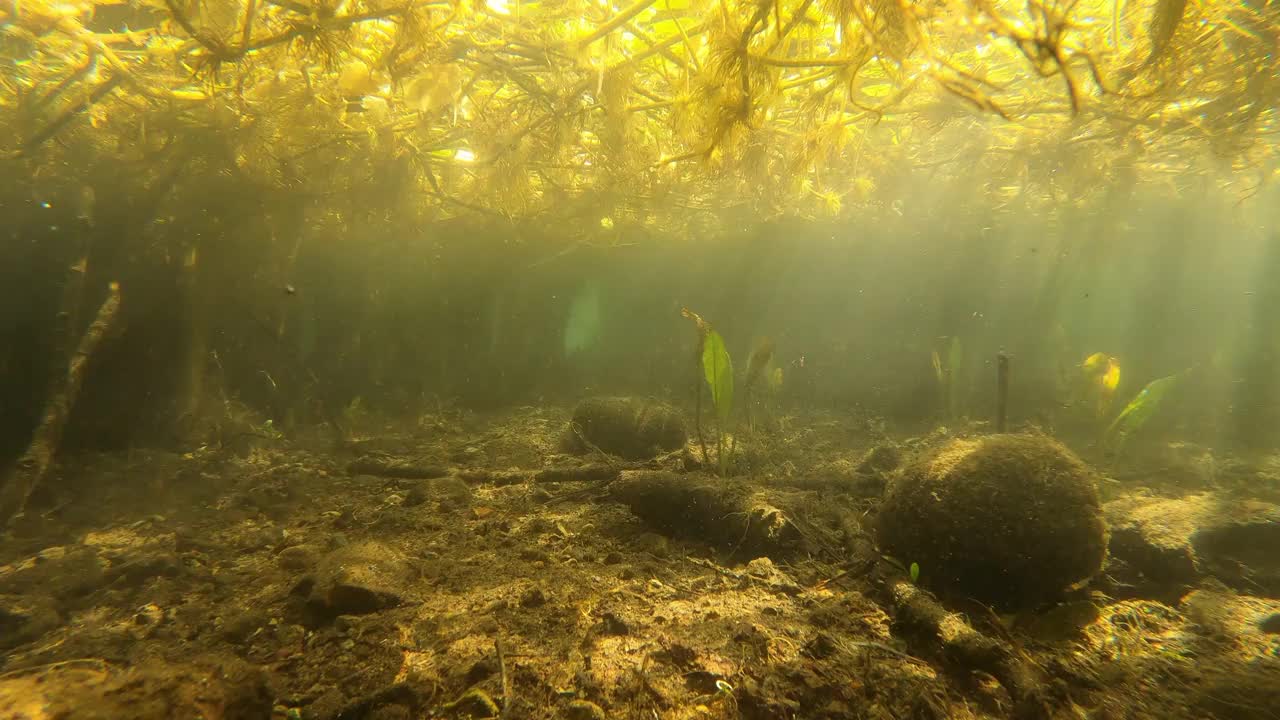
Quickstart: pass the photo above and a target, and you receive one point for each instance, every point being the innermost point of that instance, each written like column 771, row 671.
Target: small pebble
column 533, row 598
column 239, row 627
column 1270, row 624
column 534, row 554
column 654, row 544
column 415, row 496
column 611, row 624
column 149, row 614
column 298, row 557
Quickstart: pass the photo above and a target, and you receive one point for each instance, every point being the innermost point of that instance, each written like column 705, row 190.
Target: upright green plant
column 703, row 328
column 717, row 367
column 1138, row 412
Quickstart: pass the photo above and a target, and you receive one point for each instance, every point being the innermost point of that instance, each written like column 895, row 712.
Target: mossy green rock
column 627, row 427
column 1009, row 520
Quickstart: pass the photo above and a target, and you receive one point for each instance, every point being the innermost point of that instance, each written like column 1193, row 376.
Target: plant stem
column 1002, row 391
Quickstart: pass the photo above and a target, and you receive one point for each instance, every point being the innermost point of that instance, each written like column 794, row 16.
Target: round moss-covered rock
column 1009, row 520
column 631, row 428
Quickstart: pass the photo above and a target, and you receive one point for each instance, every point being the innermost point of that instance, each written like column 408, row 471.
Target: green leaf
column 718, row 369
column 1139, row 411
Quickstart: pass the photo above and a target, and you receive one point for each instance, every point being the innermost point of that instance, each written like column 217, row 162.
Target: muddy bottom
column 475, row 569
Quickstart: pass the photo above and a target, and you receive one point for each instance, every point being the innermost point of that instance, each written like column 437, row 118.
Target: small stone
column 416, row 495
column 25, row 618
column 534, row 554
column 584, row 710
column 148, row 615
column 611, row 624
column 532, row 598
column 880, row 459
column 821, row 646
column 482, row 670
column 63, row 572
column 654, row 544
column 298, row 557
column 264, row 537
column 146, row 620
column 1270, row 624
column 763, row 570
column 360, row 578
column 238, row 627
column 290, row 635
column 138, row 569
column 613, row 558
column 454, row 493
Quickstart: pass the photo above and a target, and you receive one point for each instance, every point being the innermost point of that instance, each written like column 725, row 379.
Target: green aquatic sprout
column 717, row 367
column 1139, row 410
column 915, row 573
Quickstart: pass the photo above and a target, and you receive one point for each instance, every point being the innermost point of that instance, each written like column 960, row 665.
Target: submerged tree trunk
column 34, row 463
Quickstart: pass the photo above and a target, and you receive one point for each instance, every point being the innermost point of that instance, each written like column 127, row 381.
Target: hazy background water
column 409, row 316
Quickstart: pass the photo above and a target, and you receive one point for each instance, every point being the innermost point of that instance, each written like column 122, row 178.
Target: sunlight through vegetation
column 525, row 109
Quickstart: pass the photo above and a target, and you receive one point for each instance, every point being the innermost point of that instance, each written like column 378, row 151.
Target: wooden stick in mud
column 1002, row 392
column 34, row 463
column 504, row 678
column 930, row 629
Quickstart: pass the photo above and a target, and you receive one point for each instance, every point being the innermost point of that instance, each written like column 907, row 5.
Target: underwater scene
column 639, row 360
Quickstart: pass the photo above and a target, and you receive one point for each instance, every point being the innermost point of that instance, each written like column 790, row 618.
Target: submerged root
column 721, row 512
column 930, row 629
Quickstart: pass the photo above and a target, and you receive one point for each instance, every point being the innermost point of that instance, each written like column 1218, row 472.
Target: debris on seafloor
column 396, row 468
column 723, row 512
